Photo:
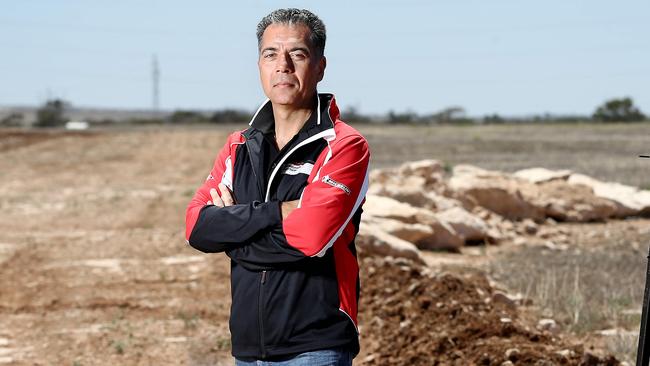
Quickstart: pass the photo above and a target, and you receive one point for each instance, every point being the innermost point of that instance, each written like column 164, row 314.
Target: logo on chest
column 297, row 168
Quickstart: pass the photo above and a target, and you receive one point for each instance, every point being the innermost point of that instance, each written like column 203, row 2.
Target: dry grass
column 584, row 290
column 624, row 346
column 595, row 285
column 605, row 151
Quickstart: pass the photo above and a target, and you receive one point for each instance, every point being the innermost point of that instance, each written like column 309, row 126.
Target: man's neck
column 288, row 122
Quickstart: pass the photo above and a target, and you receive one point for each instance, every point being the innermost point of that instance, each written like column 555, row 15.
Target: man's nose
column 284, row 63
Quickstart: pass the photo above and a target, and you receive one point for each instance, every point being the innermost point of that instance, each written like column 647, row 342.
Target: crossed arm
column 260, row 235
column 226, row 200
column 266, row 248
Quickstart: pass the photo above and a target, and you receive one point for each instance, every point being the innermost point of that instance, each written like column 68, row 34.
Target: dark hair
column 292, row 16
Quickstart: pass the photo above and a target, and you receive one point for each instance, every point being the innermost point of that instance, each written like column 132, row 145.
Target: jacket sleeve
column 220, row 228
column 326, row 207
column 331, row 199
column 266, row 250
column 210, row 228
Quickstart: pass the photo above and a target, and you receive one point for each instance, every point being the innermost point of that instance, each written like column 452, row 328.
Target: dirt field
column 95, row 269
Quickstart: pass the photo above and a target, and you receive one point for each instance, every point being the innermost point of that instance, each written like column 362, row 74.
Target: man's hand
column 287, row 207
column 226, row 197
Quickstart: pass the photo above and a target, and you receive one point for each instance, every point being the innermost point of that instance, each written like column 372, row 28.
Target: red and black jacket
column 295, row 282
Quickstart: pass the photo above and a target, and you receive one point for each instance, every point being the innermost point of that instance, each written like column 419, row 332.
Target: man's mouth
column 284, row 84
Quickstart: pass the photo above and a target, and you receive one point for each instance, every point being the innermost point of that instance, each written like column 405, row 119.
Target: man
column 283, row 201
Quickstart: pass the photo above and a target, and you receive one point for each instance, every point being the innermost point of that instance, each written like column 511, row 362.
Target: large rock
column 540, row 193
column 629, row 200
column 577, row 203
column 419, row 183
column 416, row 196
column 405, row 231
column 498, row 192
column 389, row 208
column 567, row 202
column 470, row 228
column 443, row 237
column 411, row 190
column 373, row 239
column 431, row 170
column 539, row 175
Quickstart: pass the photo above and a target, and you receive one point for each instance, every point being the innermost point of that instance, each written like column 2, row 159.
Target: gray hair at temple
column 293, row 16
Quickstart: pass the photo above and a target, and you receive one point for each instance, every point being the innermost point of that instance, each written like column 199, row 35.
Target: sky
column 513, row 58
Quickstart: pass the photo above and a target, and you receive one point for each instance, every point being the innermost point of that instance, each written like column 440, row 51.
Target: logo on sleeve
column 327, row 180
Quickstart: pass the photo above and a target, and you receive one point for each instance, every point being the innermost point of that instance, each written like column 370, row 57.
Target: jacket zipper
column 263, row 275
column 261, row 313
column 260, row 302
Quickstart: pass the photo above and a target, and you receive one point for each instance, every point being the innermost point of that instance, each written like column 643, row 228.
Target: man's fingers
column 287, row 207
column 216, row 200
column 221, row 201
column 226, row 196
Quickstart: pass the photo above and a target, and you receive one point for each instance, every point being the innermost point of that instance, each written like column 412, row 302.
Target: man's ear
column 321, row 68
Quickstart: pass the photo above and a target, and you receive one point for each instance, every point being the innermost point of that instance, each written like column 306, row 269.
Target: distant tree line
column 613, row 110
column 228, row 115
column 53, row 114
column 618, row 110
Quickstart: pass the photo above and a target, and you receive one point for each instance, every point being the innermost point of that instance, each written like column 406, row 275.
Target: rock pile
column 421, row 206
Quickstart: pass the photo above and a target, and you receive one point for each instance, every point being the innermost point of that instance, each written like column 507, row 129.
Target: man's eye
column 269, row 55
column 298, row 56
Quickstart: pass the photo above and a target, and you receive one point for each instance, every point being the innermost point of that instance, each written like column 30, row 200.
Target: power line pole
column 156, row 79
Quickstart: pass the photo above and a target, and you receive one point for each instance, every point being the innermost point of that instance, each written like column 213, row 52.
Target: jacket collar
column 320, row 120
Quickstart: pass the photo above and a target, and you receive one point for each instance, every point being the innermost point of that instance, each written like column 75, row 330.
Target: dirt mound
column 413, row 316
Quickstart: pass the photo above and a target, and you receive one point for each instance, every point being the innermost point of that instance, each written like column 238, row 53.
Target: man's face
column 289, row 66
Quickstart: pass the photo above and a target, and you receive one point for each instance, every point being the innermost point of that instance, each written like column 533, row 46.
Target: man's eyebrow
column 268, row 49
